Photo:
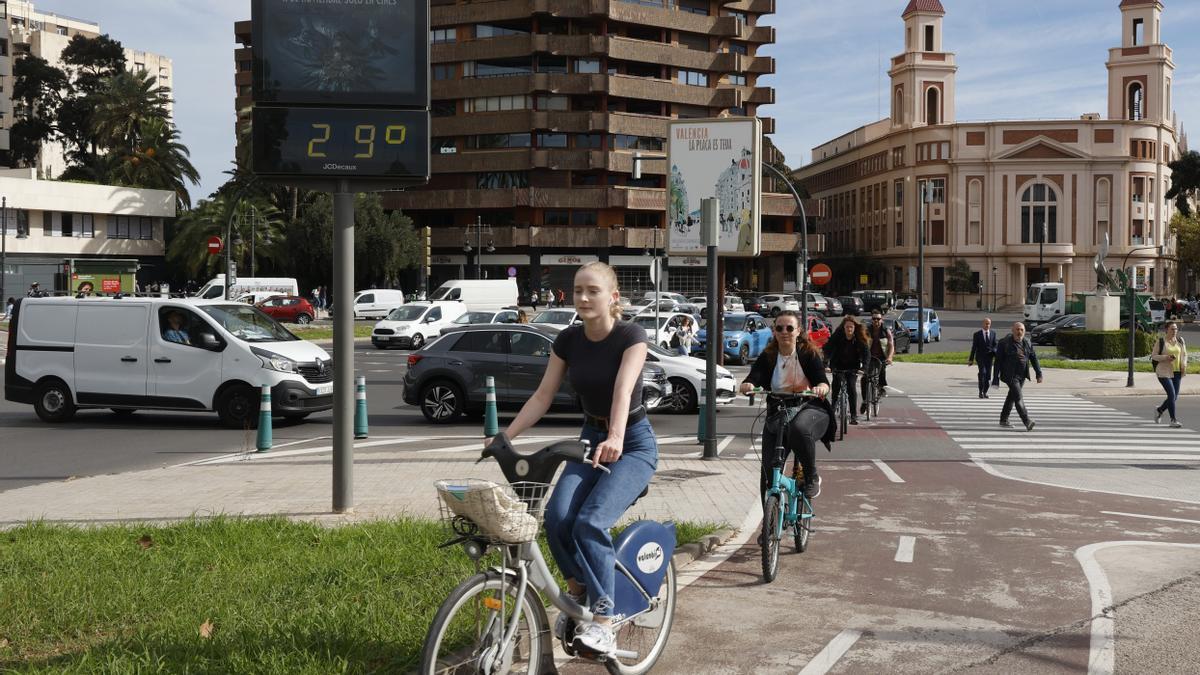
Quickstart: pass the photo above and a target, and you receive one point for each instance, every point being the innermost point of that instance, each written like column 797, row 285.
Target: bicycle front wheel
column 868, row 397
column 772, row 519
column 843, row 412
column 646, row 634
column 467, row 632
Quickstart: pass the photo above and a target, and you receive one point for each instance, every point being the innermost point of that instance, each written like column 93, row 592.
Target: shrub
column 1102, row 344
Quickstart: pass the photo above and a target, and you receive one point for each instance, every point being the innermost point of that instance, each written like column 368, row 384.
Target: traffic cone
column 491, row 425
column 702, row 418
column 360, row 406
column 263, row 442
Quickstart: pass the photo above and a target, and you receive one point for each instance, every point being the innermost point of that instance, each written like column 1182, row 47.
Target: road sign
column 821, row 274
column 862, row 279
column 214, row 245
column 715, row 158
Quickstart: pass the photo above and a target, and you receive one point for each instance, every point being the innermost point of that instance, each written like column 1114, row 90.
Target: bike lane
column 951, row 569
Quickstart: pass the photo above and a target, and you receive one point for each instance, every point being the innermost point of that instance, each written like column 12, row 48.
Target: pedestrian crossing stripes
column 1068, row 428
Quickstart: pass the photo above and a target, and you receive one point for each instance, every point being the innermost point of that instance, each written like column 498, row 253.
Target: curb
column 689, row 553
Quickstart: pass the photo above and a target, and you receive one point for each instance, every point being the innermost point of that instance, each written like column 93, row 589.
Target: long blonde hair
column 610, row 275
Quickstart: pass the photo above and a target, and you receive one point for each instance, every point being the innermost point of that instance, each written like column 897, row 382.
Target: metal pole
column 921, row 269
column 658, row 286
column 993, row 288
column 343, row 349
column 802, row 272
column 1132, row 329
column 1041, row 248
column 710, row 211
column 253, row 236
column 4, row 249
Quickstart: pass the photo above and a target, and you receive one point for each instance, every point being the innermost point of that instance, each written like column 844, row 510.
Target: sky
column 1017, row 59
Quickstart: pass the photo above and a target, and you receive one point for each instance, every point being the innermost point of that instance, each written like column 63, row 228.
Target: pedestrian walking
column 983, row 354
column 1170, row 359
column 562, row 298
column 533, row 299
column 35, row 291
column 8, row 307
column 546, row 298
column 316, row 297
column 684, row 336
column 849, row 352
column 1014, row 355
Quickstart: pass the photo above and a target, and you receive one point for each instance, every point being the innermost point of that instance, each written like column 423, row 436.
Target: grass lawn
column 226, row 595
column 324, row 333
column 1047, row 360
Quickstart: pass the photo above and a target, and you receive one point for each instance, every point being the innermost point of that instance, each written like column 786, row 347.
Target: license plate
column 324, row 389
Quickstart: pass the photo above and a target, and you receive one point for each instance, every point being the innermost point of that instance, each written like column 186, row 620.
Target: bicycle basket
column 503, row 514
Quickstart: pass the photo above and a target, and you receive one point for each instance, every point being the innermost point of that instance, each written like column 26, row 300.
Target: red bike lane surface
column 994, row 585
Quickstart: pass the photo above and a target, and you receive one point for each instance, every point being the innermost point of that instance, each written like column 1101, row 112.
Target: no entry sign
column 821, row 274
column 214, row 245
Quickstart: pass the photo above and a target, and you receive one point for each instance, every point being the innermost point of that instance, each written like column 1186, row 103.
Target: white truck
column 215, row 289
column 1044, row 302
column 479, row 294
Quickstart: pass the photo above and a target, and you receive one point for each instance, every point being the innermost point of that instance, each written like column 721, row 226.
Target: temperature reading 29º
column 364, row 136
column 341, row 142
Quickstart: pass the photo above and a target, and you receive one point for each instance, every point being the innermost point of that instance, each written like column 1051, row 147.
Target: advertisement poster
column 715, row 158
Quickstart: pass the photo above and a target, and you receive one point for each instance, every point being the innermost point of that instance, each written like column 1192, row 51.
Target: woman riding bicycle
column 603, row 360
column 849, row 352
column 790, row 363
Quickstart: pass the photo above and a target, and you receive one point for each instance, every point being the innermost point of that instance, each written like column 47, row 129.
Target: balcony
column 643, row 51
column 621, row 161
column 667, row 90
column 560, row 159
column 749, row 6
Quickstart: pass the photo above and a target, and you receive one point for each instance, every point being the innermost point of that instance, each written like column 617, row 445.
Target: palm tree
column 188, row 249
column 158, row 161
column 124, row 105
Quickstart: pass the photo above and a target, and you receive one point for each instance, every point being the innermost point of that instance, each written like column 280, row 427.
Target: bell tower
column 922, row 91
column 1140, row 70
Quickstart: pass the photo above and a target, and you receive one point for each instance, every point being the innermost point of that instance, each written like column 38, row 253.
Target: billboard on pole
column 715, row 158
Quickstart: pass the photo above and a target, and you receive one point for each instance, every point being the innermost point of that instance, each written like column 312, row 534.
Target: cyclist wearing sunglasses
column 883, row 347
column 790, row 363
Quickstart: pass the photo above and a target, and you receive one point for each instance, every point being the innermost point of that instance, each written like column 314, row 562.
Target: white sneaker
column 1175, row 424
column 596, row 637
column 564, row 625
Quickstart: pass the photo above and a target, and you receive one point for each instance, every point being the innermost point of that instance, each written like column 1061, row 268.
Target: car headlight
column 733, row 343
column 278, row 363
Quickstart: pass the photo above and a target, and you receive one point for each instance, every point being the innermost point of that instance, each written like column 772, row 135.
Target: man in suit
column 1014, row 355
column 983, row 351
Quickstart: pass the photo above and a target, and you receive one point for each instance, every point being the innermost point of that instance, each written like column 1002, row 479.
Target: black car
column 1045, row 334
column 755, row 305
column 448, row 377
column 902, row 335
column 851, row 305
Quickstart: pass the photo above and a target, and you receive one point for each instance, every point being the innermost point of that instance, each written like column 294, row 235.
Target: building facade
column 538, row 110
column 1020, row 201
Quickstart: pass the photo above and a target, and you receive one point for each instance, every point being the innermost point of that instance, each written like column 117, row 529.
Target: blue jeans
column 587, row 502
column 1171, row 386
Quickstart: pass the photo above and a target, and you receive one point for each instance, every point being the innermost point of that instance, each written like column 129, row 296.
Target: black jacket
column 983, row 348
column 1007, row 365
column 846, row 354
column 764, row 369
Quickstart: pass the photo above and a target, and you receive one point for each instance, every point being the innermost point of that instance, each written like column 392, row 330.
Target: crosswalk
column 1067, row 428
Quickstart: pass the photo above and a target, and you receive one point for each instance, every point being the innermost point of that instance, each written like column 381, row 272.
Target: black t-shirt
column 592, row 366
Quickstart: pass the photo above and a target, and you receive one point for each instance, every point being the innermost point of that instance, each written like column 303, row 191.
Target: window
column 1138, row 27
column 737, row 48
column 500, row 67
column 60, row 30
column 551, row 64
column 443, row 108
column 583, row 218
column 932, row 106
column 939, row 190
column 587, row 65
column 3, row 47
column 589, row 141
column 483, row 31
column 694, row 78
column 15, row 221
column 898, row 107
column 444, row 145
column 441, row 35
column 1039, row 209
column 67, row 221
column 502, row 179
column 444, row 71
column 695, row 41
column 484, row 342
column 498, row 103
column 130, row 227
column 1103, row 198
column 736, row 79
column 974, row 212
column 1136, row 101
column 183, row 327
column 528, row 344
column 928, row 38
column 549, row 102
column 551, row 140
column 557, row 218
column 84, row 225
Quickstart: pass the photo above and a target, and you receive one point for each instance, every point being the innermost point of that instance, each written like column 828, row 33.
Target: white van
column 215, row 289
column 479, row 294
column 411, row 326
column 1044, row 302
column 132, row 353
column 377, row 302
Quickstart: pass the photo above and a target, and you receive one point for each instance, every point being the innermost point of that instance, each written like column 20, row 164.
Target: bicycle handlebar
column 540, row 466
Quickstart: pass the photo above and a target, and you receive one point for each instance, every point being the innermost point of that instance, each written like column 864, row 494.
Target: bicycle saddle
column 538, row 467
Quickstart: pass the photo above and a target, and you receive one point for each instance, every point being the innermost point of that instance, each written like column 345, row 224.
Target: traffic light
column 428, row 251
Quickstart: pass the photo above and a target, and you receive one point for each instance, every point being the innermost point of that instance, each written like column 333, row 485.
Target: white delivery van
column 479, row 294
column 133, row 353
column 215, row 289
column 377, row 302
column 411, row 326
column 1044, row 302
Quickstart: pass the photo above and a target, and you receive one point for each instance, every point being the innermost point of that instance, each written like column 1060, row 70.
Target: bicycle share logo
column 650, row 558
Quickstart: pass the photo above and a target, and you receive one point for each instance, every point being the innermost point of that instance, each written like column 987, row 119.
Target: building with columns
column 998, row 186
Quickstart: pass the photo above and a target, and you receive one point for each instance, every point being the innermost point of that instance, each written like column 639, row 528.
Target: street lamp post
column 478, row 228
column 1132, row 293
column 994, row 288
column 802, row 272
column 3, row 249
column 1041, row 249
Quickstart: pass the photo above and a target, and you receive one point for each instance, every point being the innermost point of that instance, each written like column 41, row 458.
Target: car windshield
column 648, row 321
column 1031, row 297
column 475, row 317
column 657, row 349
column 911, row 315
column 555, row 317
column 248, row 323
column 407, row 313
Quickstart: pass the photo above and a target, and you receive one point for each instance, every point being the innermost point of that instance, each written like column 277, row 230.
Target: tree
column 960, row 279
column 37, row 89
column 779, row 162
column 1185, row 181
column 187, row 250
column 123, row 106
column 157, row 160
column 1186, row 228
column 89, row 61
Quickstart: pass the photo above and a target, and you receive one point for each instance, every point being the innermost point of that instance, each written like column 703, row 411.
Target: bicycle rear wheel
column 468, row 628
column 647, row 633
column 803, row 526
column 772, row 518
column 843, row 411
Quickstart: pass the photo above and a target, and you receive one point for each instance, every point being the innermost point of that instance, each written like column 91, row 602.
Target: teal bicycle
column 786, row 507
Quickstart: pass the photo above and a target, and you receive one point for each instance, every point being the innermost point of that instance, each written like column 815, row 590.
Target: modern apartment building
column 60, row 233
column 538, row 109
column 998, row 186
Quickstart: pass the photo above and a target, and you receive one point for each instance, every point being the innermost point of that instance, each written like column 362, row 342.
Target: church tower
column 1140, row 70
column 923, row 76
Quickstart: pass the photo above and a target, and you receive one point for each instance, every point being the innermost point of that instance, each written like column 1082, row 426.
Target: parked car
column 556, row 317
column 288, row 309
column 1158, row 311
column 448, row 377
column 668, row 325
column 933, row 327
column 686, row 375
column 881, row 300
column 1043, row 333
column 775, row 303
column 816, row 302
column 745, row 336
column 733, row 304
column 257, row 296
column 835, row 306
column 900, row 334
column 664, row 295
column 851, row 305
column 503, row 316
column 377, row 302
column 414, row 324
column 755, row 305
column 819, row 329
column 906, row 301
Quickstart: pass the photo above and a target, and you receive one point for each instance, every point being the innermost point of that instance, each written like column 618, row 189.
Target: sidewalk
column 392, row 478
column 937, row 378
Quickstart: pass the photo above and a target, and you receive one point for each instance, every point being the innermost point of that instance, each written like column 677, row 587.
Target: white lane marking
column 1103, row 644
column 1148, row 517
column 893, row 389
column 982, row 464
column 672, row 440
column 259, row 456
column 887, row 471
column 478, row 445
column 828, row 657
column 904, row 551
column 1125, row 456
column 724, row 444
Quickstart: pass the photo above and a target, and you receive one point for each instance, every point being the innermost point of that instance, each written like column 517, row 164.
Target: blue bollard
column 360, row 406
column 491, row 425
column 263, row 442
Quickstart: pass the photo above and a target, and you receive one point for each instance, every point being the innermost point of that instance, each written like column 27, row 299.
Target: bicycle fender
column 644, row 549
